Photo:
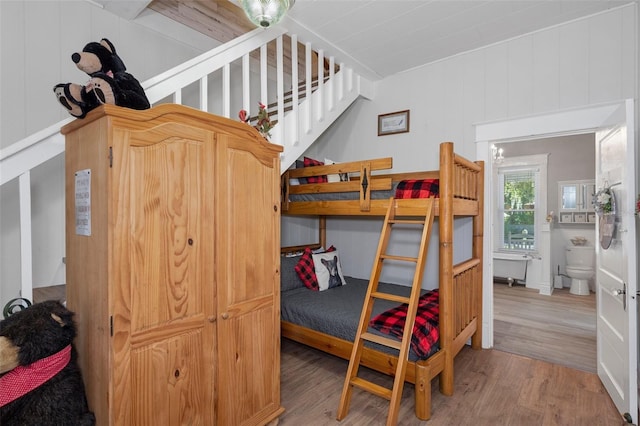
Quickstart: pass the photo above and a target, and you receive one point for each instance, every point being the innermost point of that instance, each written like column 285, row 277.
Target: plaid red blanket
column 418, row 188
column 425, row 329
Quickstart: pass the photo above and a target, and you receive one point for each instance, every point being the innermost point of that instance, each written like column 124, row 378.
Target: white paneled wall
column 579, row 63
column 545, row 67
column 37, row 39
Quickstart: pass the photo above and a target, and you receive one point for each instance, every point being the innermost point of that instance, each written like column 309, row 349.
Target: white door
column 616, row 277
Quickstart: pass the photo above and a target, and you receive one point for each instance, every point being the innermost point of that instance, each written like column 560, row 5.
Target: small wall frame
column 393, row 122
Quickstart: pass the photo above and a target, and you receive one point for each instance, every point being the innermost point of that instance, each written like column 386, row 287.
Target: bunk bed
column 460, row 193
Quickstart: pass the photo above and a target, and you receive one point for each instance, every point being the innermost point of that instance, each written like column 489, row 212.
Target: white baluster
column 331, row 88
column 226, row 91
column 341, row 81
column 246, row 84
column 295, row 134
column 204, row 93
column 263, row 75
column 177, row 97
column 308, row 64
column 320, row 91
column 26, row 250
column 280, row 90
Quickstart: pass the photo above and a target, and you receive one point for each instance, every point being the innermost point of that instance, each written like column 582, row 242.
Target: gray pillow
column 289, row 279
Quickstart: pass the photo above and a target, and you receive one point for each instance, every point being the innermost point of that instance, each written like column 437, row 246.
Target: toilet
column 579, row 268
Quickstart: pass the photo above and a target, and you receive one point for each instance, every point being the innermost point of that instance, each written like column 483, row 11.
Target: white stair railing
column 295, row 130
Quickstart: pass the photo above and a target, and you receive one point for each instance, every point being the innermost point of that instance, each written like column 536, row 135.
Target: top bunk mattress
column 414, row 188
column 336, row 311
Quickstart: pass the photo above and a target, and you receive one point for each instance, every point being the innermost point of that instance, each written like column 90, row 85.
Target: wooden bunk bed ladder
column 393, row 395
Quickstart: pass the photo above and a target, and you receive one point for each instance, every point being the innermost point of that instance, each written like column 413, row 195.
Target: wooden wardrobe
column 172, row 250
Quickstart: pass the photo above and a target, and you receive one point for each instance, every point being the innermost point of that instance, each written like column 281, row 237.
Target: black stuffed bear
column 40, row 381
column 110, row 82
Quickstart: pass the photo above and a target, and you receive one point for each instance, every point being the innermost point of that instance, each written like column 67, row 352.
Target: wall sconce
column 497, row 153
column 266, row 13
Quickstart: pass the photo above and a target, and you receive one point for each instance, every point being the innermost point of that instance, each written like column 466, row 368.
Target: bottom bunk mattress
column 336, row 312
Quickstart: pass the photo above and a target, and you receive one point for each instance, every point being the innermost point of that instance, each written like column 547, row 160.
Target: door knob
column 621, row 292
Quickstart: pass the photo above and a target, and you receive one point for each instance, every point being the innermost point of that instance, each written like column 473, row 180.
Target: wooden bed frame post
column 284, row 191
column 422, row 389
column 446, row 265
column 478, row 236
column 322, row 231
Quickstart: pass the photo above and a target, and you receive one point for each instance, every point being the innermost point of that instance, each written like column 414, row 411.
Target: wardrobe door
column 247, row 253
column 163, row 298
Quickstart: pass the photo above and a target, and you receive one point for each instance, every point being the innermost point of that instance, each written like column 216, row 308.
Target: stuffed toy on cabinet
column 109, row 82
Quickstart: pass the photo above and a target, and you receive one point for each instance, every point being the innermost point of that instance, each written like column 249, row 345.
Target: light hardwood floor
column 560, row 328
column 492, row 387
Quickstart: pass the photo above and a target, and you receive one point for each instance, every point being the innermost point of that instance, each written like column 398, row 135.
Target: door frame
column 560, row 123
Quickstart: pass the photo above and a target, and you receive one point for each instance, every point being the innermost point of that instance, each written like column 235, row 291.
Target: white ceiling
column 390, row 36
column 385, row 37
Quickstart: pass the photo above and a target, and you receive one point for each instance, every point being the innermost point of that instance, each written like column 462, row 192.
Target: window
column 520, row 203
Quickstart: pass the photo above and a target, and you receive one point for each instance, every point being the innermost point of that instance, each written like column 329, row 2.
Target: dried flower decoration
column 263, row 122
column 603, row 201
column 550, row 216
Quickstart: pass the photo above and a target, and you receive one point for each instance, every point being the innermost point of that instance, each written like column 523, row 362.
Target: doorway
column 555, row 325
column 616, row 119
column 562, row 123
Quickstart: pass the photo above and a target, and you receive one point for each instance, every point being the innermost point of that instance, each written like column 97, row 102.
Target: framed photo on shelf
column 393, row 122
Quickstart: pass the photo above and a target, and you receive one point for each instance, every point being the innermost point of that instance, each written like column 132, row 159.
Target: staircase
column 300, row 117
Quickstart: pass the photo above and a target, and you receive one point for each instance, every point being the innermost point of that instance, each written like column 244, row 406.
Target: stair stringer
column 299, row 134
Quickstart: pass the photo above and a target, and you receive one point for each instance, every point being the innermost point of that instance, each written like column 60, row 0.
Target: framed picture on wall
column 393, row 122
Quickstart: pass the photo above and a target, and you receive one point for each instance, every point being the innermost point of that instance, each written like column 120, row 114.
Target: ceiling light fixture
column 498, row 154
column 266, row 13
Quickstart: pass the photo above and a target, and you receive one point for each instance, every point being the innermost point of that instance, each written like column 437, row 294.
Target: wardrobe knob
column 212, row 318
column 225, row 315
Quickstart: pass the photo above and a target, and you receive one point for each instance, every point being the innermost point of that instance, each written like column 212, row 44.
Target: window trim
column 527, row 162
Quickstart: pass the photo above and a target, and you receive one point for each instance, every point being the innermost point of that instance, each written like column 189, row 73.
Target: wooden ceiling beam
column 223, row 21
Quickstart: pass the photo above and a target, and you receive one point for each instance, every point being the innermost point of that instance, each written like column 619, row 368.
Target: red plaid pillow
column 314, row 179
column 425, row 328
column 306, row 271
column 418, row 188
